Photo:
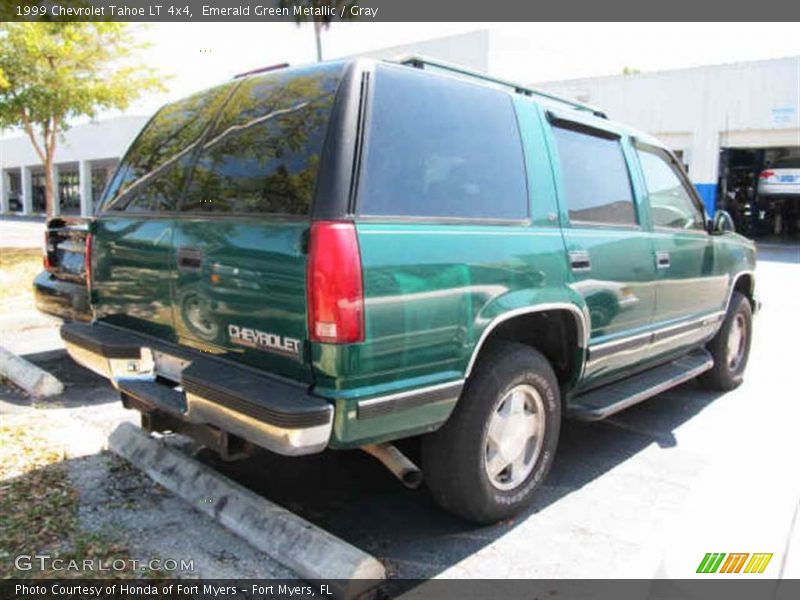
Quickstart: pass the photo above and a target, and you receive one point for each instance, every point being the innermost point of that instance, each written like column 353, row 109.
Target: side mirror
column 722, row 222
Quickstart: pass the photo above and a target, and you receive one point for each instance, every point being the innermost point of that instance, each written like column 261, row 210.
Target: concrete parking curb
column 309, row 551
column 37, row 382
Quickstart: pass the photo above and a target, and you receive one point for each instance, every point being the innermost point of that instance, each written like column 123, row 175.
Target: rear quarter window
column 264, row 152
column 440, row 147
column 150, row 176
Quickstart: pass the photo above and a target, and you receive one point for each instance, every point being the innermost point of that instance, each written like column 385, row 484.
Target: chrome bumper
column 285, row 437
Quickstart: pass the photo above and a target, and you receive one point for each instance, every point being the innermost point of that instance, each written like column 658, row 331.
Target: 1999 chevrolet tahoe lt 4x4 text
column 350, row 253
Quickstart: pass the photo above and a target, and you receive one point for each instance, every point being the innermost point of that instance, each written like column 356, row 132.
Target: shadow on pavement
column 786, row 252
column 81, row 386
column 351, row 495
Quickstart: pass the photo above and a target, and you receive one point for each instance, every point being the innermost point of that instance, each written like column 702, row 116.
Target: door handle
column 662, row 260
column 579, row 261
column 190, row 259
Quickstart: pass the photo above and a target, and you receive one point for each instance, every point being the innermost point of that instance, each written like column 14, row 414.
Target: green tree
column 53, row 72
column 316, row 7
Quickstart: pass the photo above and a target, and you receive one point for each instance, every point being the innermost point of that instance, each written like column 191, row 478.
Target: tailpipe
column 397, row 462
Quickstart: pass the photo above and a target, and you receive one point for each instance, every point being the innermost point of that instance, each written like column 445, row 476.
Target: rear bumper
column 268, row 412
column 779, row 190
column 64, row 299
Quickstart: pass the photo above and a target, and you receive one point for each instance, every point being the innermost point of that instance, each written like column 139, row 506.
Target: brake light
column 48, row 266
column 766, row 174
column 87, row 261
column 334, row 285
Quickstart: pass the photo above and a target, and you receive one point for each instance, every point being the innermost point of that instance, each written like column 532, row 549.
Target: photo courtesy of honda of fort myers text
column 338, row 299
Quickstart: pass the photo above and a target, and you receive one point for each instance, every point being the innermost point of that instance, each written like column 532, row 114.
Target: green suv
column 347, row 254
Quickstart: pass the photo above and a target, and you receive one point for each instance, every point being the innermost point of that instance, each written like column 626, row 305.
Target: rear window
column 264, row 152
column 151, row 173
column 596, row 185
column 439, row 147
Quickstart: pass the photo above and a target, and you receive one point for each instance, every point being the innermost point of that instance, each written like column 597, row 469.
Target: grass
column 39, row 508
column 18, row 267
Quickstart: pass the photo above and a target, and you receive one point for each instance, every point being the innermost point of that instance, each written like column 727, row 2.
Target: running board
column 607, row 400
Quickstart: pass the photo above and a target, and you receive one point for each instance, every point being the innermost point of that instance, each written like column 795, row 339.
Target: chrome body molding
column 599, row 351
column 391, row 403
column 581, row 322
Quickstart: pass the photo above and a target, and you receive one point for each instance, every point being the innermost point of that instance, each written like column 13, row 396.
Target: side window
column 596, row 184
column 671, row 204
column 264, row 153
column 161, row 147
column 440, row 147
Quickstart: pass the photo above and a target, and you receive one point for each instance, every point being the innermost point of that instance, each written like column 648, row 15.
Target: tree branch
column 26, row 123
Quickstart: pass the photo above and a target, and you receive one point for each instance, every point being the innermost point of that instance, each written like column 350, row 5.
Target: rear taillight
column 48, row 266
column 766, row 174
column 87, row 261
column 335, row 290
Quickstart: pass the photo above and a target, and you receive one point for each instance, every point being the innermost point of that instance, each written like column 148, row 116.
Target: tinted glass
column 264, row 152
column 170, row 136
column 786, row 163
column 594, row 175
column 670, row 202
column 159, row 193
column 439, row 147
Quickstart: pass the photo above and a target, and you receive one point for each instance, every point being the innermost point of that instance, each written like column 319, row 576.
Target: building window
column 69, row 192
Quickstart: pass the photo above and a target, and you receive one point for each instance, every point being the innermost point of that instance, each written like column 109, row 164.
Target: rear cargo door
column 132, row 239
column 240, row 239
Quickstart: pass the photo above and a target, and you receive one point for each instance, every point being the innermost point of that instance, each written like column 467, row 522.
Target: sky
column 198, row 55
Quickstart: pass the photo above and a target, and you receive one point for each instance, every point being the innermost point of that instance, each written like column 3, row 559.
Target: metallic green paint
column 432, row 290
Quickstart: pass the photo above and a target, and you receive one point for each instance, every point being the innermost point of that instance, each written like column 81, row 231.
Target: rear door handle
column 662, row 260
column 190, row 259
column 579, row 261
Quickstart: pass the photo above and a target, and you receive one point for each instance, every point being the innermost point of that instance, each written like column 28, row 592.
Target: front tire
column 730, row 347
column 497, row 447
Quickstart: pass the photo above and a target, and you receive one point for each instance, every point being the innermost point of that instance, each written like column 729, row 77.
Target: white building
column 725, row 121
column 84, row 161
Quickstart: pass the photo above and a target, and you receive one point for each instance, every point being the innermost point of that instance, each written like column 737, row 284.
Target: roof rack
column 261, row 70
column 420, row 62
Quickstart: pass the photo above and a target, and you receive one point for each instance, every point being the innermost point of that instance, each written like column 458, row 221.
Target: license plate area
column 169, row 367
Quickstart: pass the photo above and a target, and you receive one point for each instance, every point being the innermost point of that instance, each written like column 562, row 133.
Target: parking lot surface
column 643, row 494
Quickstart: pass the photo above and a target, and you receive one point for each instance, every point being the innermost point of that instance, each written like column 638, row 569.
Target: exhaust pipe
column 397, row 462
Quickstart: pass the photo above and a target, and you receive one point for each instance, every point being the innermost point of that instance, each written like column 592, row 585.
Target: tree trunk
column 318, row 38
column 49, row 191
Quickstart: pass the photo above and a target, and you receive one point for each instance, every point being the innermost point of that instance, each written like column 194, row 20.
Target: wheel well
column 554, row 333
column 744, row 285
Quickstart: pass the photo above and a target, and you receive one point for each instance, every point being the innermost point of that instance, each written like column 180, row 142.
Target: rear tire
column 730, row 347
column 510, row 412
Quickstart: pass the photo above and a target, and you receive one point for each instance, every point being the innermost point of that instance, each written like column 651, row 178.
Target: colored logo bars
column 713, row 562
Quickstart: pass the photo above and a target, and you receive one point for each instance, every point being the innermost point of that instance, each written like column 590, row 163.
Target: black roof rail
column 261, row 70
column 420, row 62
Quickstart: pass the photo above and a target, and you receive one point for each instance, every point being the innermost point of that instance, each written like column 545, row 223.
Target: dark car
column 60, row 289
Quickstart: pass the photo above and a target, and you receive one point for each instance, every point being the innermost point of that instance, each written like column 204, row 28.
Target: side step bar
column 607, row 400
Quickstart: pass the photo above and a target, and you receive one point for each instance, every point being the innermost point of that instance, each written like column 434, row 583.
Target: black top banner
column 398, row 10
